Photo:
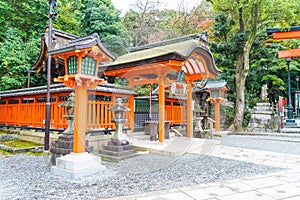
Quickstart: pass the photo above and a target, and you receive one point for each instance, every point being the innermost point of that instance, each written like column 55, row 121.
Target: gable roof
column 82, row 43
column 196, row 58
column 60, row 39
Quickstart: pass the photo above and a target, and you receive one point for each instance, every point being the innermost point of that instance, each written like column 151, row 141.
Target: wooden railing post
column 211, row 125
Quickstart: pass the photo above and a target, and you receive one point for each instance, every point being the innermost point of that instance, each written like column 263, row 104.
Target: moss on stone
column 17, row 143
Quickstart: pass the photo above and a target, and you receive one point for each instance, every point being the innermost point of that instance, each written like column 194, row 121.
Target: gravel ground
column 274, row 144
column 29, row 177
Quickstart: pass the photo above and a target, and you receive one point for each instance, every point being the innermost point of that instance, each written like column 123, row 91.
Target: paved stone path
column 284, row 184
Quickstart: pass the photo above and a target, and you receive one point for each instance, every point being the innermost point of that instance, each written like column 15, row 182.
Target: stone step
column 292, row 130
column 117, row 153
column 66, row 137
column 115, row 158
column 64, row 144
column 60, row 151
column 117, row 147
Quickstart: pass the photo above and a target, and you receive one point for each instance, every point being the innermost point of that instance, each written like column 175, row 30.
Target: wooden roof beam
column 289, row 53
column 286, row 35
column 145, row 81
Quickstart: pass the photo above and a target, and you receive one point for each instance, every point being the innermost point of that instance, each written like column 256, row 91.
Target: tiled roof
column 216, row 84
column 197, row 60
column 82, row 43
column 60, row 39
column 181, row 49
column 201, row 36
column 110, row 88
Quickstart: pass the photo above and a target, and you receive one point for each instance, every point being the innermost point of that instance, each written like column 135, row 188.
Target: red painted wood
column 286, row 35
column 289, row 53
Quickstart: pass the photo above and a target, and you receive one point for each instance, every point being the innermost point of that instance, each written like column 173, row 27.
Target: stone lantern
column 69, row 116
column 119, row 119
column 64, row 144
column 118, row 148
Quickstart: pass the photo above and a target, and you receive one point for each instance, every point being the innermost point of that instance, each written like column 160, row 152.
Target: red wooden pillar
column 161, row 112
column 131, row 113
column 80, row 117
column 217, row 115
column 189, row 111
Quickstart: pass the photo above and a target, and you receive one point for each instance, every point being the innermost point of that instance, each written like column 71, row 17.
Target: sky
column 124, row 5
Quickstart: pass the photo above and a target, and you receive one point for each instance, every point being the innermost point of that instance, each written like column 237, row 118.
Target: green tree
column 69, row 17
column 5, row 10
column 102, row 17
column 26, row 16
column 21, row 23
column 117, row 43
column 250, row 17
column 15, row 59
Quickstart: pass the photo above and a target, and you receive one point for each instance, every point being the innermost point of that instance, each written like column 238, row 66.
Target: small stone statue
column 264, row 92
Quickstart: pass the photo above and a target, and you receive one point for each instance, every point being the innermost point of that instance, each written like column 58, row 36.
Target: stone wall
column 96, row 141
column 37, row 137
column 262, row 118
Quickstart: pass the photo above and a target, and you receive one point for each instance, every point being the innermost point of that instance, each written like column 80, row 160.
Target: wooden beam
column 289, row 53
column 176, row 63
column 145, row 81
column 154, row 68
column 286, row 35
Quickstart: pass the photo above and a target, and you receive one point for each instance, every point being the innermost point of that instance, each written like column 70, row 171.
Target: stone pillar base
column 290, row 122
column 77, row 165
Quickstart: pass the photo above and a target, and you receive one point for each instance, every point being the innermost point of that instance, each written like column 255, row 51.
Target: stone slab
column 77, row 165
column 173, row 196
column 263, row 182
column 281, row 191
column 248, row 195
column 209, row 192
column 239, row 187
column 291, row 176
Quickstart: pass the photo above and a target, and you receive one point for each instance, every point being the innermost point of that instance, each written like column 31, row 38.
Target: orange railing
column 175, row 112
column 98, row 115
column 33, row 115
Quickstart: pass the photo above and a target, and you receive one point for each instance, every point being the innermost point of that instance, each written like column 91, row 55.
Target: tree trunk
column 242, row 67
column 242, row 70
column 240, row 95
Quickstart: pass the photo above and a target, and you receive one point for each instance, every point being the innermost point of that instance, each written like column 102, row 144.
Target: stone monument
column 198, row 130
column 264, row 92
column 262, row 115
